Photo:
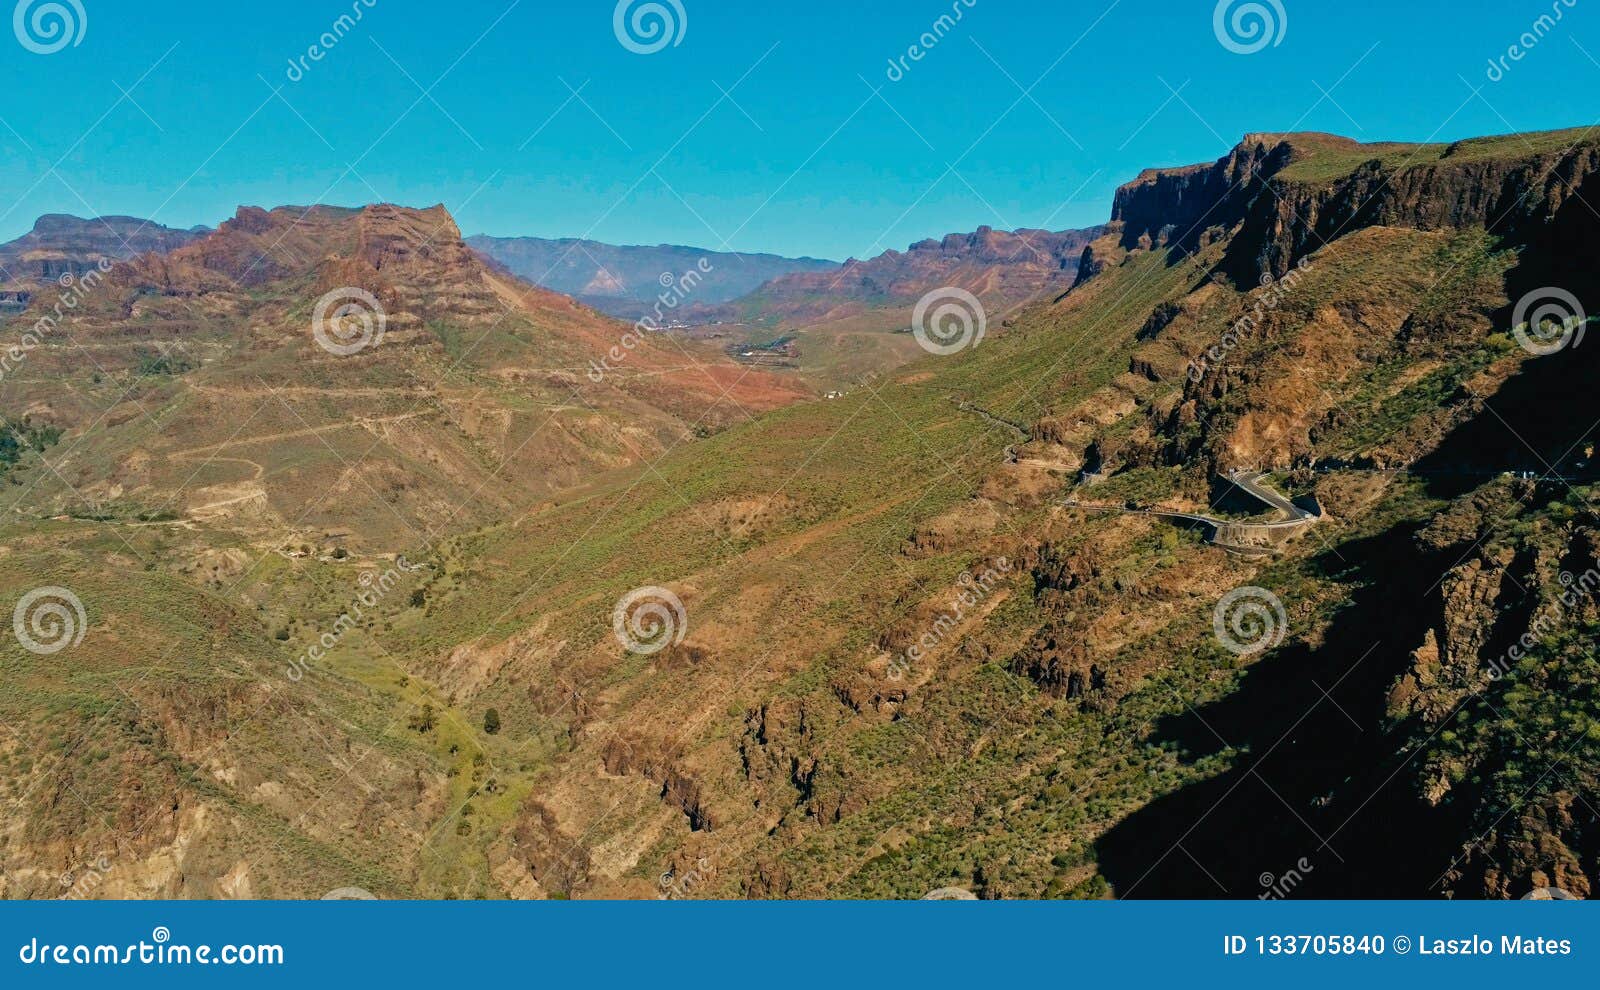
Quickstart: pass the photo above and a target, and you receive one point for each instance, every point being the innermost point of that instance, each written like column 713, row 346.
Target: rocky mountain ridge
column 625, row 280
column 60, row 244
column 1002, row 268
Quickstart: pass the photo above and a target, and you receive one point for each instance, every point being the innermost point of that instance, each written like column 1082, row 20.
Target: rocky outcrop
column 558, row 860
column 61, row 245
column 1176, row 206
column 1283, row 213
column 678, row 788
column 1061, row 669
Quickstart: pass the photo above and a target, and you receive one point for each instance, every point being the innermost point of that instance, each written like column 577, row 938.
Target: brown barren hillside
column 459, row 394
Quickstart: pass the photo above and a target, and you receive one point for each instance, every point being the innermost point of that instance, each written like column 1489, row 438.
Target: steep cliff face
column 1424, row 249
column 1496, row 707
column 1176, row 206
column 1282, row 197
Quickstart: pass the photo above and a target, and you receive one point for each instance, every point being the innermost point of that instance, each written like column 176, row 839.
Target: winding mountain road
column 1229, row 534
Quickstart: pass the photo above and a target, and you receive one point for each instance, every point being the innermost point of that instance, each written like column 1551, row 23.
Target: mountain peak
column 63, row 244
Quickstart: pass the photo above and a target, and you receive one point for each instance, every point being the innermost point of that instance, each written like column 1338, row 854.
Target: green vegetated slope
column 1070, row 724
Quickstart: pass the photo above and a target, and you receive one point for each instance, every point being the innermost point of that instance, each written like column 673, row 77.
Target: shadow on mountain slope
column 1307, row 786
column 1321, row 787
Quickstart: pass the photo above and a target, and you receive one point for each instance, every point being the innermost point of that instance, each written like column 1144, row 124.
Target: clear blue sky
column 802, row 159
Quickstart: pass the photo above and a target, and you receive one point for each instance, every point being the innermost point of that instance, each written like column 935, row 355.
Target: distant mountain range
column 625, row 281
column 60, row 244
column 1001, row 268
column 765, row 290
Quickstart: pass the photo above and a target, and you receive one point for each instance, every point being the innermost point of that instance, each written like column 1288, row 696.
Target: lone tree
column 491, row 721
column 425, row 720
